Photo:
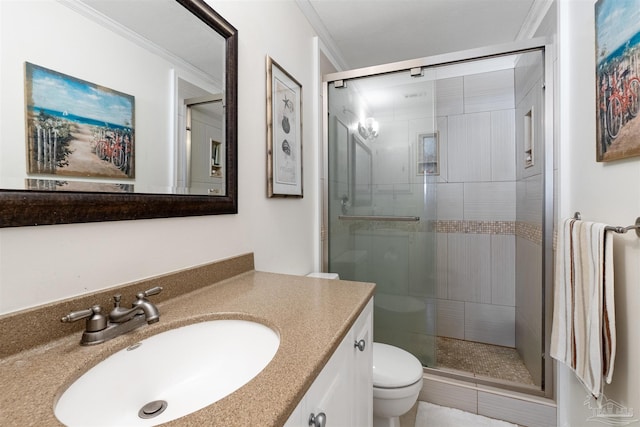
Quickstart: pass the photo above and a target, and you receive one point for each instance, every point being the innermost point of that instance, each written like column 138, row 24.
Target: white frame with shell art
column 284, row 133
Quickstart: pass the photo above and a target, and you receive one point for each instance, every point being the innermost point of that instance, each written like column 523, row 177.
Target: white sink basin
column 189, row 368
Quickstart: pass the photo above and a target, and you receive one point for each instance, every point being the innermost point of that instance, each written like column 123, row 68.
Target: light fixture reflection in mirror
column 88, row 61
column 368, row 128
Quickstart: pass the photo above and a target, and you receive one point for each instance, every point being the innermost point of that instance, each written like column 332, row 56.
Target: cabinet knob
column 317, row 420
column 360, row 345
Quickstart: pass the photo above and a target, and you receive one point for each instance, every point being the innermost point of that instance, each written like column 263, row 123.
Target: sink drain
column 153, row 409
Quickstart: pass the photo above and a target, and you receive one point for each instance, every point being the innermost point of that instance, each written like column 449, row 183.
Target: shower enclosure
column 437, row 190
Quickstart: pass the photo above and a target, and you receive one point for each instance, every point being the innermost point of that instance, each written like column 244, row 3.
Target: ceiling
column 361, row 33
column 174, row 30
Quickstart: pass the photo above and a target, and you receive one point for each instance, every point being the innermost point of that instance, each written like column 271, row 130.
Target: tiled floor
column 486, row 360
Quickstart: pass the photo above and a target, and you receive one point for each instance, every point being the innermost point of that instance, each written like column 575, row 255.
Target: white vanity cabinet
column 343, row 391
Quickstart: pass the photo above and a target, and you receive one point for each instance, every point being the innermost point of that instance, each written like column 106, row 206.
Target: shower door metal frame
column 413, row 65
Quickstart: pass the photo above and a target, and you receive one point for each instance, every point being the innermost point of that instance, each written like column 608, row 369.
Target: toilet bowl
column 397, row 381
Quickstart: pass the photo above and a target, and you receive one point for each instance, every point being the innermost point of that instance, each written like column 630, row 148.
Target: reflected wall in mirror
column 185, row 51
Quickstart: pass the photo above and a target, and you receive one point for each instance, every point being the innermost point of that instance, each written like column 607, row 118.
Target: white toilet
column 397, row 379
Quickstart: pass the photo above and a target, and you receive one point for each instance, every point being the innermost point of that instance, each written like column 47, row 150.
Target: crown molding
column 531, row 23
column 328, row 45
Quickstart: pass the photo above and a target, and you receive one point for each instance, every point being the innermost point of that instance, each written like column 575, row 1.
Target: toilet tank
column 324, row 275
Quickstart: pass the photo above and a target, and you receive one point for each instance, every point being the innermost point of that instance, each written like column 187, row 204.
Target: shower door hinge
column 416, row 72
column 339, row 83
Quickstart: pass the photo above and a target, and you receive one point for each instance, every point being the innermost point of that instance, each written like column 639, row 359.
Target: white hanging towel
column 583, row 335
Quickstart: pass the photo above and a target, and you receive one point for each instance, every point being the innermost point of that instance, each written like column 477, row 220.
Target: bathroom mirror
column 179, row 61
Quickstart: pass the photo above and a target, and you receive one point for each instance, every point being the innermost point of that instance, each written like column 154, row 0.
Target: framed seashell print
column 284, row 133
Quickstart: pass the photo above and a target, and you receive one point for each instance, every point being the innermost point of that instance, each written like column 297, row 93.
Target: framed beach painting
column 284, row 133
column 77, row 128
column 617, row 79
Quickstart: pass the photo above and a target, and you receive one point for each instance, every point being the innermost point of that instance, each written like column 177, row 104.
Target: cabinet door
column 331, row 392
column 343, row 391
column 299, row 418
column 363, row 368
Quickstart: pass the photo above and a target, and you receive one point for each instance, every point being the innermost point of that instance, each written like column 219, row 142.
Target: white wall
column 606, row 192
column 47, row 263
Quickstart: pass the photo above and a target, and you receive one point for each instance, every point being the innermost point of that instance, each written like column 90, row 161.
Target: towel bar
column 378, row 218
column 618, row 229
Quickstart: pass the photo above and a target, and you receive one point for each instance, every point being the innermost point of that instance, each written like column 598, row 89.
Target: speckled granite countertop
column 311, row 315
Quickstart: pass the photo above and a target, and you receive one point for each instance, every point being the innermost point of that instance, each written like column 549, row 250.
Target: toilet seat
column 394, row 367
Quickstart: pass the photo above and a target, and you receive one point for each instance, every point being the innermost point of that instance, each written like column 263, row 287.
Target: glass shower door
column 382, row 173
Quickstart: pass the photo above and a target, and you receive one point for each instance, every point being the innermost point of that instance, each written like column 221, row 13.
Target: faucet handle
column 96, row 321
column 77, row 315
column 116, row 300
column 153, row 291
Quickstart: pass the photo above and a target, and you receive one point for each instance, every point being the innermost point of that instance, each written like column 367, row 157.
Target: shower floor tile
column 484, row 360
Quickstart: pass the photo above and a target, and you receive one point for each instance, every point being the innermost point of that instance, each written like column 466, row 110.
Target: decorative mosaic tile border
column 475, row 227
column 531, row 232
column 525, row 230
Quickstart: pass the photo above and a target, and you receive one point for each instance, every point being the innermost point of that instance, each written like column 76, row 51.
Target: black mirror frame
column 28, row 208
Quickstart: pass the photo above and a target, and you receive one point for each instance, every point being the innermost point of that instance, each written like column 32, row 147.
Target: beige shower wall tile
column 488, row 323
column 529, row 343
column 450, row 319
column 423, row 269
column 450, row 393
column 469, row 268
column 492, row 201
column 529, row 304
column 523, row 412
column 441, row 262
column 489, row 91
column 478, row 153
column 443, row 135
column 469, row 147
column 503, row 145
column 503, row 272
column 530, row 200
column 450, row 201
column 456, row 147
column 449, row 96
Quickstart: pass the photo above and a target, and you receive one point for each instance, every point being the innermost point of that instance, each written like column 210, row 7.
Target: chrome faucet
column 120, row 321
column 141, row 306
